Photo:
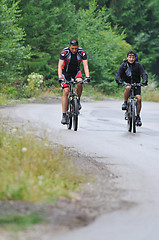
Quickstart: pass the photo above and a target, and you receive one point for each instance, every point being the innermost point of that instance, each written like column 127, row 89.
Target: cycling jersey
column 72, row 62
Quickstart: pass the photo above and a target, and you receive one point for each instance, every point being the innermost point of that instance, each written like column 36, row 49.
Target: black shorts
column 137, row 91
column 67, row 77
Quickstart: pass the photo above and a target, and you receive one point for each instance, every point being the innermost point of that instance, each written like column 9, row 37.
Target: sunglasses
column 131, row 56
column 74, row 43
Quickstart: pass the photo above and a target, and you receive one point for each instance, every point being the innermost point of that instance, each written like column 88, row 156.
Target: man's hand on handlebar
column 61, row 80
column 144, row 83
column 133, row 84
column 126, row 84
column 87, row 80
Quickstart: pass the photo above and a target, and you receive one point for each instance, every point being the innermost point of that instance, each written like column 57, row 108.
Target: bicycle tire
column 134, row 116
column 69, row 115
column 75, row 114
column 129, row 121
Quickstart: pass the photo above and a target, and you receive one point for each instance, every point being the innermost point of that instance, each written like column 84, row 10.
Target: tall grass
column 150, row 93
column 32, row 170
column 4, row 99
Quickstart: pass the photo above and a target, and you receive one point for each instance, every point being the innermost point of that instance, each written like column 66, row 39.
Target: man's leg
column 139, row 123
column 126, row 95
column 64, row 105
column 138, row 104
column 65, row 99
column 138, row 96
column 79, row 87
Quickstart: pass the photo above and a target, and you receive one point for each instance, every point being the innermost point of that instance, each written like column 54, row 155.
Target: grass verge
column 149, row 93
column 32, row 170
column 16, row 222
column 4, row 100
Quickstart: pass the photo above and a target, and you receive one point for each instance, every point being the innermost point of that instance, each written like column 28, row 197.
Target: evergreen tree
column 105, row 48
column 140, row 21
column 48, row 28
column 12, row 50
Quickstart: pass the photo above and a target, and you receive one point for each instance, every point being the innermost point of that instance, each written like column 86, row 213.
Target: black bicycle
column 131, row 110
column 73, row 104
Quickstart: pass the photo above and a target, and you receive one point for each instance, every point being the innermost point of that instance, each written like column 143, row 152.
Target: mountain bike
column 131, row 110
column 73, row 104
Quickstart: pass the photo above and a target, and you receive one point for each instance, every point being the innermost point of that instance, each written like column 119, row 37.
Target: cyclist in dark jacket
column 132, row 70
column 69, row 66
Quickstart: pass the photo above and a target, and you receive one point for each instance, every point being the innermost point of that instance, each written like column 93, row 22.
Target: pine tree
column 12, row 50
column 49, row 27
column 140, row 21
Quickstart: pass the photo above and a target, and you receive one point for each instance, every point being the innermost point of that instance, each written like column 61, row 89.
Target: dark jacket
column 128, row 72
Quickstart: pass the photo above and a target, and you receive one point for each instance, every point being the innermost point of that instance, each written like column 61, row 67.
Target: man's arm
column 60, row 64
column 86, row 69
column 143, row 75
column 119, row 74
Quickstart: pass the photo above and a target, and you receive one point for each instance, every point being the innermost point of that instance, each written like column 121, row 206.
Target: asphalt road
column 103, row 135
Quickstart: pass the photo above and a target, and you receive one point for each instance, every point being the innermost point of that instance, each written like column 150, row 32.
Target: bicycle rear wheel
column 134, row 116
column 69, row 115
column 129, row 122
column 75, row 115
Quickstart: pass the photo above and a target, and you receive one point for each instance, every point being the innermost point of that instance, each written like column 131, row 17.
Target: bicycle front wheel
column 134, row 116
column 129, row 122
column 69, row 115
column 75, row 115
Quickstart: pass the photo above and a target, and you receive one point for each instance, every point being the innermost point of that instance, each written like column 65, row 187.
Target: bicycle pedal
column 126, row 116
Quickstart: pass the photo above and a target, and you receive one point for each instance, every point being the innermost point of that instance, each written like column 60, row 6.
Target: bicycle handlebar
column 133, row 84
column 74, row 81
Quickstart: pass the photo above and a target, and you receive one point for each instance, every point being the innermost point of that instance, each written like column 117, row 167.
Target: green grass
column 93, row 93
column 5, row 100
column 17, row 222
column 150, row 94
column 33, row 170
column 49, row 92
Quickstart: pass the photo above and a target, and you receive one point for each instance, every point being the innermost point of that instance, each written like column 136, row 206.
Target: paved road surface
column 103, row 134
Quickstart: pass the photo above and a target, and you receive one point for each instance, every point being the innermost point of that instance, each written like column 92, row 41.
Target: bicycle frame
column 73, row 104
column 72, row 90
column 131, row 111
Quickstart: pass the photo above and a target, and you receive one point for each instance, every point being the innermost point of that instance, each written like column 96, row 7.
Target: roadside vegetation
column 16, row 221
column 33, row 170
column 30, row 49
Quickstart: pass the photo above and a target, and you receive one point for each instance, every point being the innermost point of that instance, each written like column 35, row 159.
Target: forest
column 33, row 33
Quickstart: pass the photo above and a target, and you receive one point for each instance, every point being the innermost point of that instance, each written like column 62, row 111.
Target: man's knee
column 79, row 84
column 128, row 88
column 78, row 79
column 65, row 92
column 138, row 98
